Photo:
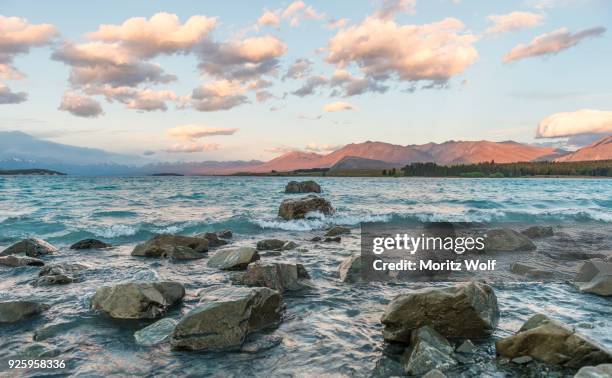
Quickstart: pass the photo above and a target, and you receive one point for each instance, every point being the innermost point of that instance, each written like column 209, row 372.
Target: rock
column 213, row 239
column 15, row 311
column 261, row 343
column 316, row 239
column 90, row 244
column 302, row 272
column 522, row 360
column 302, row 187
column 433, row 338
column 467, row 347
column 32, row 247
column 338, row 230
column 136, row 300
column 225, row 317
column 600, row 371
column 573, row 255
column 53, row 330
column 14, row 261
column 429, row 351
column 529, row 271
column 335, row 239
column 301, row 207
column 56, row 279
column 155, row 333
column 350, row 269
column 507, row 240
column 172, row 246
column 289, row 246
column 466, row 310
column 270, row 253
column 553, row 342
column 595, row 277
column 233, row 258
column 225, row 234
column 58, row 274
column 435, row 373
column 536, row 232
column 274, row 275
column 270, row 244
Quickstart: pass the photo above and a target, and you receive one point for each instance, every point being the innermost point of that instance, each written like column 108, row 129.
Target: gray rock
column 225, row 234
column 429, row 351
column 15, row 311
column 274, row 275
column 431, row 337
column 213, row 239
column 435, row 373
column 600, row 371
column 155, row 333
column 301, row 207
column 53, row 330
column 334, row 239
column 522, row 360
column 233, row 258
column 316, row 239
column 302, row 187
column 302, row 272
column 173, row 247
column 536, row 232
column 136, row 300
column 467, row 310
column 289, row 245
column 14, row 261
column 466, row 347
column 56, row 279
column 58, row 274
column 270, row 244
column 338, row 230
column 350, row 269
column 507, row 240
column 90, row 244
column 595, row 277
column 225, row 316
column 32, row 247
column 530, row 271
column 553, row 342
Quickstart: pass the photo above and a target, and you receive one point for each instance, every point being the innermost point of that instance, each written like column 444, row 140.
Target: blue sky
column 479, row 98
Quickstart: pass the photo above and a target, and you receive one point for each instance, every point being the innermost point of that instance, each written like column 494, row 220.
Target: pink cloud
column 513, row 21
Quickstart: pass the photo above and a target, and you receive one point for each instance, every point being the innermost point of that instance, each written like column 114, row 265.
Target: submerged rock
column 274, row 275
column 233, row 258
column 14, row 261
column 548, row 340
column 303, row 187
column 536, row 232
column 301, row 207
column 350, row 269
column 595, row 277
column 155, row 333
column 15, row 311
column 600, row 371
column 58, row 274
column 466, row 310
column 338, row 230
column 213, row 239
column 334, row 239
column 90, row 244
column 507, row 240
column 136, row 300
column 261, row 343
column 270, row 244
column 225, row 317
column 530, row 271
column 32, row 247
column 173, row 247
column 429, row 350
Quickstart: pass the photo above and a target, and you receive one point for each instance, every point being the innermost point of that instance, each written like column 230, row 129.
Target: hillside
column 600, row 150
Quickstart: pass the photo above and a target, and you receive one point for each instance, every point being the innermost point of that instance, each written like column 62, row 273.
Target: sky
column 210, row 80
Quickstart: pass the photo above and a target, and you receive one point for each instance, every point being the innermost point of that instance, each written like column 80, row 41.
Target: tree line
column 491, row 169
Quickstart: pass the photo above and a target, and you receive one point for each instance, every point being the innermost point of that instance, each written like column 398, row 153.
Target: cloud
column 9, row 97
column 389, row 8
column 298, row 11
column 310, row 86
column 336, row 23
column 192, row 131
column 383, row 49
column 315, row 147
column 551, row 43
column 148, row 152
column 188, row 148
column 584, row 121
column 139, row 99
column 299, row 69
column 338, row 106
column 269, row 18
column 217, row 95
column 80, row 106
column 352, row 86
column 263, row 96
column 513, row 21
column 281, row 149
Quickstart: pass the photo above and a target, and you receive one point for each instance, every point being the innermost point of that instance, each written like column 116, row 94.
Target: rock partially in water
column 536, row 232
column 58, row 274
column 56, row 279
column 177, row 247
column 213, row 239
column 507, row 240
column 225, row 234
column 600, row 371
column 155, row 333
column 225, row 316
column 261, row 343
column 90, row 244
column 309, row 186
column 301, row 207
column 289, row 246
column 270, row 244
column 32, row 247
column 15, row 311
column 548, row 340
column 274, row 275
column 233, row 258
column 429, row 350
column 530, row 271
column 338, row 230
column 467, row 310
column 350, row 269
column 333, row 239
column 15, row 261
column 595, row 277
column 136, row 300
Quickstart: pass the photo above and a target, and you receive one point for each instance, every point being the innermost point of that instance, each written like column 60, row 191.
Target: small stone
column 467, row 347
column 435, row 373
column 155, row 333
column 90, row 244
column 338, row 230
column 233, row 258
column 309, row 186
column 289, row 245
column 270, row 244
column 522, row 360
column 316, row 239
column 335, row 239
column 225, row 234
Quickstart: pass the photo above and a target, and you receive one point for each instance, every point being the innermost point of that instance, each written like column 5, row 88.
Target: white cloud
column 299, row 69
column 513, row 21
column 9, row 97
column 298, row 11
column 80, row 106
column 338, row 106
column 193, row 131
column 316, row 147
column 269, row 18
column 389, row 8
column 584, row 121
column 192, row 147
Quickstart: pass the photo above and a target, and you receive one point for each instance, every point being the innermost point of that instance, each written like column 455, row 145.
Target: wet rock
column 530, row 271
column 270, row 253
column 316, row 239
column 213, row 239
column 272, row 245
column 136, row 300
column 536, row 232
column 435, row 373
column 90, row 244
column 15, row 311
column 429, row 351
column 172, row 246
column 433, row 338
column 32, row 247
column 595, row 277
column 261, row 343
column 225, row 234
column 521, row 360
column 600, row 371
column 466, row 347
column 466, row 310
column 302, row 272
column 350, row 269
column 58, row 274
column 335, row 239
column 301, row 207
column 233, row 258
column 155, row 333
column 302, row 187
column 14, row 261
column 507, row 240
column 289, row 246
column 548, row 340
column 53, row 330
column 338, row 230
column 274, row 275
column 56, row 279
column 225, row 317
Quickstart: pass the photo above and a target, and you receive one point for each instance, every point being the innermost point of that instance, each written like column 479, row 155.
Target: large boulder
column 15, row 311
column 58, row 274
column 90, row 244
column 137, row 300
column 225, row 317
column 507, row 240
column 301, row 207
column 467, row 310
column 155, row 333
column 302, row 187
column 350, row 269
column 553, row 342
column 32, row 247
column 429, row 350
column 338, row 230
column 274, row 275
column 595, row 277
column 233, row 258
column 14, row 261
column 172, row 247
column 213, row 239
column 535, row 232
column 530, row 271
column 600, row 371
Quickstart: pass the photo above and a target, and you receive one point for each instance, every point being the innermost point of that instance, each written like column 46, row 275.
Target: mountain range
column 19, row 150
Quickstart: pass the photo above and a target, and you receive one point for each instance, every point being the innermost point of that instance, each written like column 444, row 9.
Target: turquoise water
column 332, row 327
